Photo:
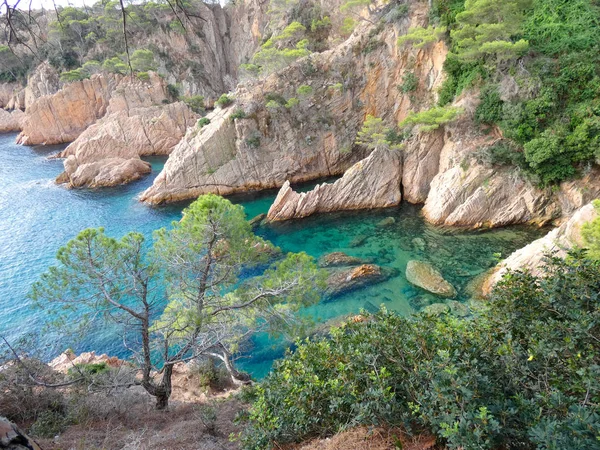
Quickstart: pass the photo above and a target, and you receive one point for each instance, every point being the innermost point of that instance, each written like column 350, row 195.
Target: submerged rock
column 337, row 259
column 342, row 281
column 257, row 221
column 425, row 276
column 436, row 309
column 386, row 222
column 358, row 241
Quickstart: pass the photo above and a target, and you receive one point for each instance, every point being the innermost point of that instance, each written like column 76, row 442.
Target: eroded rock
column 427, row 277
column 13, row 438
column 340, row 259
column 11, row 120
column 342, row 281
column 373, row 182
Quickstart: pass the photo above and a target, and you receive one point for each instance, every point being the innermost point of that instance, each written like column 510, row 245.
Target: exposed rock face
column 62, row 117
column 425, row 276
column 342, row 281
column 421, row 164
column 12, row 438
column 7, row 92
column 67, row 360
column 337, row 259
column 11, row 121
column 373, row 182
column 109, row 151
column 43, row 81
column 308, row 141
column 531, row 257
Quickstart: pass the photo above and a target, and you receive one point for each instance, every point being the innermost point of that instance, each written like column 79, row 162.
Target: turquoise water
column 37, row 217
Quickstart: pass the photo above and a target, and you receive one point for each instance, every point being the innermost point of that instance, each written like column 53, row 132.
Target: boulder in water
column 337, row 259
column 358, row 240
column 386, row 222
column 437, row 309
column 257, row 221
column 342, row 281
column 425, row 276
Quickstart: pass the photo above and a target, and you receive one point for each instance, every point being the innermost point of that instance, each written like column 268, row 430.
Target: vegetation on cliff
column 525, row 368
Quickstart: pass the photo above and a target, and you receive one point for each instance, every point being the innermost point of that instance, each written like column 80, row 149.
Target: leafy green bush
column 432, row 118
column 590, row 232
column 115, row 65
column 142, row 60
column 173, row 91
column 525, row 369
column 239, row 113
column 224, row 101
column 421, row 37
column 489, row 110
column 195, row 103
column 304, row 90
column 410, row 82
column 503, row 153
column 74, row 75
column 202, row 122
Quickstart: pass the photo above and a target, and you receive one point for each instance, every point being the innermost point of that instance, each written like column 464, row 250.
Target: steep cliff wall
column 269, row 142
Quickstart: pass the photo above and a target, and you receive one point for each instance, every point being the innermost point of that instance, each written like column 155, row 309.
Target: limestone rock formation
column 531, row 257
column 425, row 276
column 373, row 182
column 7, row 92
column 109, row 151
column 43, row 81
column 337, row 259
column 67, row 360
column 314, row 139
column 12, row 438
column 11, row 121
column 342, row 281
column 63, row 116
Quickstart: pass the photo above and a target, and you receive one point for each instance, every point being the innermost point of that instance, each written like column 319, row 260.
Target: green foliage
column 224, row 101
column 432, row 118
column 173, row 91
column 115, row 65
column 304, row 90
column 202, row 122
column 590, row 232
column 348, row 25
column 293, row 31
column 292, row 102
column 490, row 108
column 92, row 67
column 421, row 37
column 349, row 5
column 195, row 103
column 142, row 61
column 502, row 154
column 271, row 58
column 253, row 141
column 239, row 113
column 446, row 10
column 524, row 369
column 375, row 134
column 410, row 82
column 486, row 28
column 74, row 75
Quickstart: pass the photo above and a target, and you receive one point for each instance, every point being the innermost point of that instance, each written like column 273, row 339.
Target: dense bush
column 431, row 119
column 524, row 372
column 224, row 101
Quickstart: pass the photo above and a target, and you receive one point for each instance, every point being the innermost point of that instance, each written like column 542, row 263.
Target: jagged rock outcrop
column 531, row 257
column 63, row 116
column 64, row 362
column 11, row 120
column 373, row 182
column 425, row 276
column 108, row 152
column 13, row 438
column 268, row 146
column 7, row 92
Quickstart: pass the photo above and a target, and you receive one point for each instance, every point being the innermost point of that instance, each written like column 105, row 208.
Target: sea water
column 37, row 217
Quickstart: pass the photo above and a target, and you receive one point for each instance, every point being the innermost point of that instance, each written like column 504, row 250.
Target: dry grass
column 368, row 439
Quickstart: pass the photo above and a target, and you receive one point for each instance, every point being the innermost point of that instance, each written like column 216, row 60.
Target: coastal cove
column 37, row 217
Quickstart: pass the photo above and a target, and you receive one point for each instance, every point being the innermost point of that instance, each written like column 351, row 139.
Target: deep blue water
column 37, row 217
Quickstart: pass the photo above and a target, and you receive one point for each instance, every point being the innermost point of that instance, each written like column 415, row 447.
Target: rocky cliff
column 63, row 116
column 268, row 142
column 11, row 120
column 373, row 182
column 108, row 152
column 558, row 241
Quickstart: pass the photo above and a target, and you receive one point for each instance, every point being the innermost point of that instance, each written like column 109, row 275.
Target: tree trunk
column 237, row 378
column 162, row 400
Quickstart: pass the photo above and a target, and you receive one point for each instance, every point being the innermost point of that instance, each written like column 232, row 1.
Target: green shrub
column 421, row 37
column 142, row 61
column 590, row 232
column 195, row 103
column 525, row 369
column 202, row 122
column 410, row 82
column 144, row 76
column 173, row 91
column 74, row 75
column 304, row 90
column 273, row 105
column 490, row 108
column 253, row 141
column 239, row 113
column 432, row 118
column 224, row 101
column 276, row 98
column 504, row 153
column 115, row 65
column 292, row 102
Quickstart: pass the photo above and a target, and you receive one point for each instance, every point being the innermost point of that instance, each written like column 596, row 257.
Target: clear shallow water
column 37, row 218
